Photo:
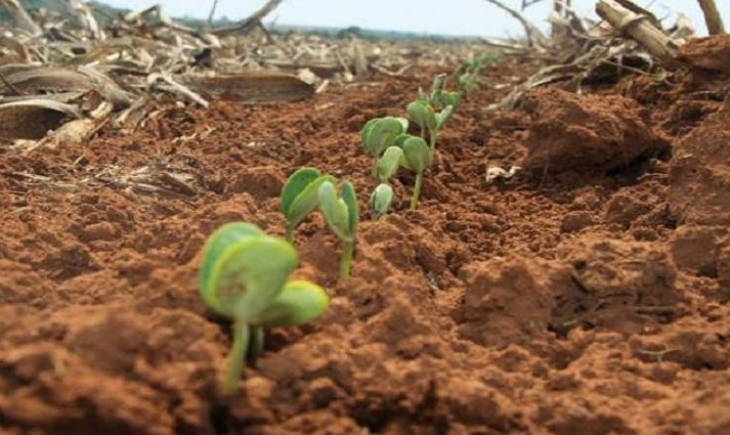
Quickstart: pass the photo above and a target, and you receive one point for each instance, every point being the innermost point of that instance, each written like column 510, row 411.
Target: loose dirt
column 586, row 295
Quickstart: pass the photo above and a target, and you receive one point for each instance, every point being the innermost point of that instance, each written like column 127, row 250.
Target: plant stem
column 417, row 191
column 433, row 135
column 236, row 358
column 375, row 167
column 256, row 346
column 346, row 262
column 290, row 233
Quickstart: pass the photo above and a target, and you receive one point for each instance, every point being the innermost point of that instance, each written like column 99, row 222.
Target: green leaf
column 297, row 182
column 300, row 302
column 390, row 162
column 382, row 134
column 422, row 114
column 422, row 95
column 417, row 154
column 404, row 122
column 306, row 202
column 226, row 236
column 381, row 200
column 250, row 274
column 353, row 211
column 444, row 116
column 452, row 99
column 335, row 211
column 365, row 132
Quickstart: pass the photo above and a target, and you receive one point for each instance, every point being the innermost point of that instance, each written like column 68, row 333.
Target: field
column 588, row 294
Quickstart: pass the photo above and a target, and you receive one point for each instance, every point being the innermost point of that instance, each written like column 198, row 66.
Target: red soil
column 588, row 294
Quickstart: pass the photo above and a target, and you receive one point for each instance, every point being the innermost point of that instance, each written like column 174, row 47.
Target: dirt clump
column 586, row 133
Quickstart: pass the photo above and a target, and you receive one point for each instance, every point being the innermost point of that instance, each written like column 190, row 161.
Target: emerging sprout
column 244, row 277
column 342, row 215
column 380, row 133
column 417, row 157
column 432, row 112
column 380, row 200
column 299, row 197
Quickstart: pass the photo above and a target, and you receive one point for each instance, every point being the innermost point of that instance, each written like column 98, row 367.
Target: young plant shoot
column 381, row 200
column 299, row 197
column 417, row 157
column 432, row 112
column 380, row 133
column 342, row 216
column 243, row 277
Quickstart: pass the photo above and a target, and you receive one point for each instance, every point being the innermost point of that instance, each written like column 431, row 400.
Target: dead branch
column 534, row 35
column 20, row 16
column 81, row 10
column 639, row 28
column 250, row 22
column 712, row 17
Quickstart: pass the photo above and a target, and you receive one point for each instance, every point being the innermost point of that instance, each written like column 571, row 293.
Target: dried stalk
column 250, row 22
column 81, row 10
column 534, row 35
column 639, row 28
column 712, row 17
column 20, row 16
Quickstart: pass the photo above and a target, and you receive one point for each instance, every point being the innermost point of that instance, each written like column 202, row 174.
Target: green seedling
column 342, row 216
column 243, row 277
column 417, row 157
column 380, row 133
column 432, row 112
column 466, row 75
column 299, row 197
column 381, row 200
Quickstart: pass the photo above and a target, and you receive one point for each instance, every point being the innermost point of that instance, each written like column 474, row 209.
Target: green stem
column 290, row 233
column 237, row 356
column 432, row 138
column 417, row 191
column 375, row 167
column 346, row 262
column 257, row 345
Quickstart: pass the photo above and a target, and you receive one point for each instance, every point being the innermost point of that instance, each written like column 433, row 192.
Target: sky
column 445, row 17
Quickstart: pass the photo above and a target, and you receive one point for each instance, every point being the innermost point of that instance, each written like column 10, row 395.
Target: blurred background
column 431, row 17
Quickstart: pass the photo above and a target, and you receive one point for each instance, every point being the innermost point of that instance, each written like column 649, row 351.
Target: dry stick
column 250, row 22
column 712, row 17
column 83, row 15
column 212, row 13
column 534, row 36
column 639, row 28
column 20, row 16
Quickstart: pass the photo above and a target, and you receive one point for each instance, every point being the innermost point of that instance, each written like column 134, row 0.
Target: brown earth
column 587, row 295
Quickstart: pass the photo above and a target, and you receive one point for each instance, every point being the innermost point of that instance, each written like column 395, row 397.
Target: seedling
column 380, row 133
column 243, row 277
column 299, row 197
column 380, row 200
column 342, row 216
column 466, row 75
column 432, row 112
column 417, row 157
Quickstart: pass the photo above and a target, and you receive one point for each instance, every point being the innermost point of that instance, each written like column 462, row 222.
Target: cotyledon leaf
column 353, row 211
column 381, row 200
column 382, row 134
column 222, row 239
column 307, row 201
column 300, row 302
column 365, row 132
column 417, row 154
column 250, row 274
column 335, row 211
column 422, row 114
column 297, row 182
column 389, row 163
